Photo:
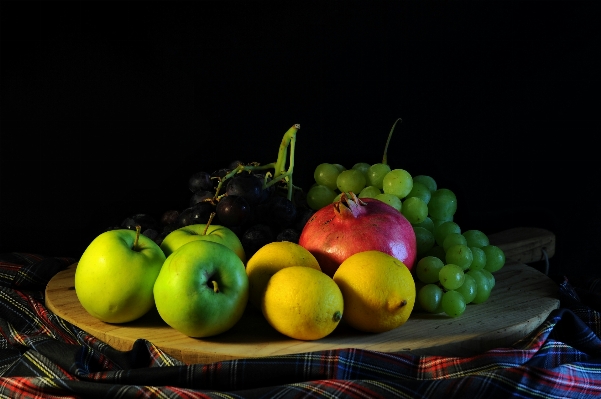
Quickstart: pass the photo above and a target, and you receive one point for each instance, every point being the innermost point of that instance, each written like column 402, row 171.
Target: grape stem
column 385, row 157
column 279, row 166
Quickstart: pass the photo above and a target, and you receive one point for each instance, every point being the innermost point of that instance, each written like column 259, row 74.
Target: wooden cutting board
column 521, row 300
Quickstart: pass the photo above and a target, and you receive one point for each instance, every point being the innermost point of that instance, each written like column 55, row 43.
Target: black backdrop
column 108, row 107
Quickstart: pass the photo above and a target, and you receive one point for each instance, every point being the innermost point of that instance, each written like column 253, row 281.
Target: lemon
column 378, row 291
column 271, row 258
column 302, row 303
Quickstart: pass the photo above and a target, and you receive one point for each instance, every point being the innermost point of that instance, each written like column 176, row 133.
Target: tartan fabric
column 43, row 356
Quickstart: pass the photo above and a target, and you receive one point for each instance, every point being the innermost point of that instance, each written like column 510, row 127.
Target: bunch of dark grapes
column 257, row 215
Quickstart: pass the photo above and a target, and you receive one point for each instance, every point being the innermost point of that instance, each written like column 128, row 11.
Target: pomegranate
column 353, row 225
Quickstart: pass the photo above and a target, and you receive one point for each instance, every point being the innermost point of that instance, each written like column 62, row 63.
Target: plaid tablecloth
column 43, row 356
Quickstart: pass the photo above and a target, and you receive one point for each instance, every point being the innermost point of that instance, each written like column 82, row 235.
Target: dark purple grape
column 288, row 234
column 255, row 237
column 282, row 211
column 201, row 212
column 234, row 164
column 143, row 220
column 233, row 210
column 169, row 228
column 185, row 217
column 200, row 196
column 200, row 181
column 246, row 185
column 262, row 213
column 169, row 217
column 266, row 192
column 151, row 233
column 302, row 217
column 299, row 197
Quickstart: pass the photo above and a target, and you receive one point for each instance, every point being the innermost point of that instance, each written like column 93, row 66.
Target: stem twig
column 385, row 157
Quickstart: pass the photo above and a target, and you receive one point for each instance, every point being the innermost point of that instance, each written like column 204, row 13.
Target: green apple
column 215, row 233
column 115, row 275
column 202, row 289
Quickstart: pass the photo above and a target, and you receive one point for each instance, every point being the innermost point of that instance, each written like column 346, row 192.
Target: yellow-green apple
column 215, row 233
column 202, row 289
column 115, row 275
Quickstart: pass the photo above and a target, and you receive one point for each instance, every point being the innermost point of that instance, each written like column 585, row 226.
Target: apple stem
column 204, row 233
column 215, row 286
column 385, row 157
column 138, row 228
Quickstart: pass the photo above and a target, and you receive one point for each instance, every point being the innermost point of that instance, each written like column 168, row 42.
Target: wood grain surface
column 521, row 300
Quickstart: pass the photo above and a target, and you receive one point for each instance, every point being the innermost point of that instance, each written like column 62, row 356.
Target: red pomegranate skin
column 353, row 225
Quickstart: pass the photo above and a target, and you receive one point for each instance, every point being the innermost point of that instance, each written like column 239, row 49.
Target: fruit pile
column 250, row 237
column 453, row 268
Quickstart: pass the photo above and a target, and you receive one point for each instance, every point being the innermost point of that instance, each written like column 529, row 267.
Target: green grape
column 419, row 190
column 427, row 270
column 479, row 259
column 391, row 200
column 417, row 307
column 397, row 182
column 339, row 167
column 451, row 276
column 337, row 197
column 326, row 174
column 319, row 196
column 495, row 258
column 453, row 239
column 476, row 238
column 438, row 222
column 468, row 289
column 424, row 240
column 369, row 192
column 483, row 287
column 427, row 224
column 460, row 255
column 444, row 229
column 375, row 174
column 443, row 204
column 350, row 180
column 453, row 303
column 490, row 277
column 361, row 167
column 414, row 209
column 430, row 297
column 427, row 181
column 436, row 251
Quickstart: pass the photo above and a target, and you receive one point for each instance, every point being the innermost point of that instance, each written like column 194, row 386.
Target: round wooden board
column 521, row 300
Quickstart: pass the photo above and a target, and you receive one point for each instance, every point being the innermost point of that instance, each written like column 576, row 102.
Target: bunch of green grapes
column 453, row 268
column 396, row 187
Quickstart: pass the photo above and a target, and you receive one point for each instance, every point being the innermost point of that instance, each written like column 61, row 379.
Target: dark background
column 108, row 107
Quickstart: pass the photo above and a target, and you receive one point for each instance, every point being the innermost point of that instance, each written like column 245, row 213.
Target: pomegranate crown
column 348, row 203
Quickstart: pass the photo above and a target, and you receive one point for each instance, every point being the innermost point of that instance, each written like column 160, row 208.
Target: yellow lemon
column 271, row 258
column 378, row 291
column 302, row 303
